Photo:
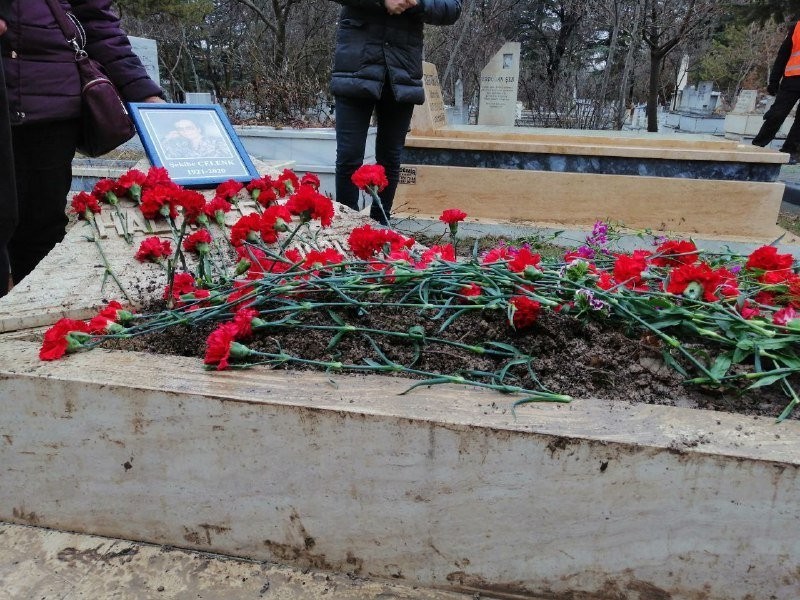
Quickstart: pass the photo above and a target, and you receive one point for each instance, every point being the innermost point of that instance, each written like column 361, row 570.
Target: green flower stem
column 123, row 221
column 401, row 335
column 666, row 338
column 433, row 378
column 108, row 272
column 376, row 198
column 291, row 237
column 791, row 406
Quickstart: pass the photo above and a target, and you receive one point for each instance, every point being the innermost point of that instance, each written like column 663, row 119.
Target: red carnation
column 130, row 184
column 310, row 179
column 115, row 312
column 308, row 203
column 628, row 269
column 108, row 320
column 372, row 177
column 498, row 254
column 198, row 242
column 246, row 229
column 436, row 253
column 160, row 200
column 216, row 209
column 154, row 250
column 182, row 284
column 274, row 220
column 218, row 345
column 785, row 316
column 263, row 190
column 243, row 319
column 67, row 335
column 675, row 252
column 523, row 312
column 85, row 205
column 452, row 215
column 766, row 258
column 319, row 259
column 523, row 260
column 287, row 182
column 156, row 176
column 228, row 190
column 472, row 290
column 193, row 204
column 104, row 190
column 365, row 241
column 695, row 281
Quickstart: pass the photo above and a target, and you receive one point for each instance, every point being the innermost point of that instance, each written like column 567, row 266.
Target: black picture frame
column 195, row 143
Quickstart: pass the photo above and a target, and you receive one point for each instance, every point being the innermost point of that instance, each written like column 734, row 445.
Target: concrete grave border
column 442, row 487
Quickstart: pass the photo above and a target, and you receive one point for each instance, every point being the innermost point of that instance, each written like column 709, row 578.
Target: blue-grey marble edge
column 605, row 165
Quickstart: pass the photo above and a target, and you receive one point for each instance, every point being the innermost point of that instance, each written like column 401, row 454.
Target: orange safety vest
column 793, row 65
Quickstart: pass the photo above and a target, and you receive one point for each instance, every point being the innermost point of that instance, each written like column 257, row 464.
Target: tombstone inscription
column 499, row 87
column 429, row 116
column 147, row 51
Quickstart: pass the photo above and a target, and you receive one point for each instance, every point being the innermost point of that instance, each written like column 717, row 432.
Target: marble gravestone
column 430, row 116
column 746, row 118
column 499, row 87
column 745, row 102
column 147, row 51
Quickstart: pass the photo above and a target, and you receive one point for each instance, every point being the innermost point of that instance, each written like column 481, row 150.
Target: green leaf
column 721, row 365
column 672, row 363
column 334, row 341
column 664, row 323
column 768, row 380
column 739, row 354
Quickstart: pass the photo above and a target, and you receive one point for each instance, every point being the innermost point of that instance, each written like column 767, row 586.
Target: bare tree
column 667, row 24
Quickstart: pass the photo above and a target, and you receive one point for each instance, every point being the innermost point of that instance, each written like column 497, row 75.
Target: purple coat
column 41, row 76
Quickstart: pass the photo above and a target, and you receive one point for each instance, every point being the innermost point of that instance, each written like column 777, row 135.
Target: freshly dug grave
column 572, row 356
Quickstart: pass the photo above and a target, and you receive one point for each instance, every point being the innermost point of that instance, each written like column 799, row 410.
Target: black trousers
column 352, row 126
column 774, row 118
column 43, row 155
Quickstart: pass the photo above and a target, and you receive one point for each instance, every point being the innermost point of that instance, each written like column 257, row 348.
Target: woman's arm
column 108, row 44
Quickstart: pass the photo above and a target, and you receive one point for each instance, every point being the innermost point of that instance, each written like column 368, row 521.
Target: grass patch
column 790, row 223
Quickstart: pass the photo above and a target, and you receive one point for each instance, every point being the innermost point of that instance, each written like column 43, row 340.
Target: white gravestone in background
column 499, row 86
column 147, row 51
column 745, row 102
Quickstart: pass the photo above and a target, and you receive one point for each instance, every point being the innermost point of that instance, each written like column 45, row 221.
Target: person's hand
column 3, row 27
column 772, row 89
column 154, row 100
column 396, row 7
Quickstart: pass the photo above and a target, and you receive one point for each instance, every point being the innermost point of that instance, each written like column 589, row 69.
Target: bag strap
column 70, row 27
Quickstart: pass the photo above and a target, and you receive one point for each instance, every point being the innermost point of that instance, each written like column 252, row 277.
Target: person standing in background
column 378, row 67
column 44, row 102
column 8, row 191
column 784, row 84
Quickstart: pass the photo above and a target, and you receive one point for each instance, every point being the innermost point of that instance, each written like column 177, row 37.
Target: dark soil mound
column 567, row 355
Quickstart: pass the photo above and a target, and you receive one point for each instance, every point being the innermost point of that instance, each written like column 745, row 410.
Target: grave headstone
column 499, row 86
column 429, row 116
column 460, row 109
column 199, row 98
column 147, row 51
column 745, row 102
column 701, row 99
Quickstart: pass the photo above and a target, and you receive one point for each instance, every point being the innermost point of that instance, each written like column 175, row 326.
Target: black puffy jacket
column 370, row 41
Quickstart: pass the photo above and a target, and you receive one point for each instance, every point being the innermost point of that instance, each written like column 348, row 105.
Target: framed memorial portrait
column 195, row 143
